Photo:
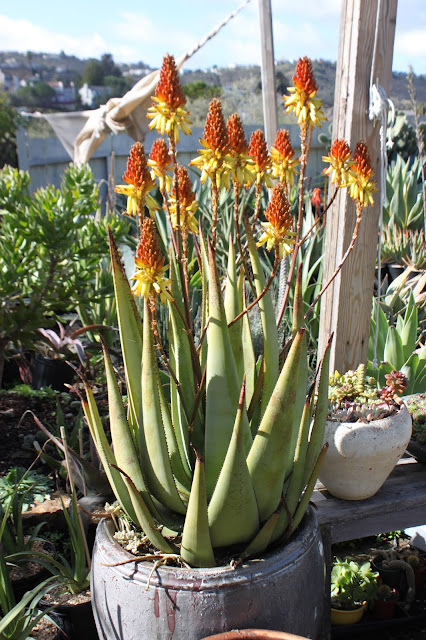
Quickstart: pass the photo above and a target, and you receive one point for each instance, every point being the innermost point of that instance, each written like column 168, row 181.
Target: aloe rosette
column 217, row 449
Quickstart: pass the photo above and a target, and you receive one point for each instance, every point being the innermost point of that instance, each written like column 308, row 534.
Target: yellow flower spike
column 160, row 162
column 258, row 151
column 213, row 159
column 239, row 162
column 302, row 99
column 361, row 185
column 277, row 229
column 282, row 158
column 340, row 163
column 167, row 112
column 139, row 182
column 149, row 277
column 187, row 203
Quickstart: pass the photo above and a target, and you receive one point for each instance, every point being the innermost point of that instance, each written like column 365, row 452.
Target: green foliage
column 52, row 245
column 93, row 73
column 31, row 486
column 39, row 94
column 404, row 206
column 416, row 405
column 403, row 138
column 352, row 584
column 397, row 348
column 199, row 89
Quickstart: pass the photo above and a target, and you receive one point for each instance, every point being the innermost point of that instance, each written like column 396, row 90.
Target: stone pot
column 282, row 591
column 361, row 455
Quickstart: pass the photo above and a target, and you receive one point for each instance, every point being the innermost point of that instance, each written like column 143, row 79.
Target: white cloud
column 411, row 43
column 13, row 33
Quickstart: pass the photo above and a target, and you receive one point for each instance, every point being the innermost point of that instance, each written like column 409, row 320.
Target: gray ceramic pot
column 283, row 591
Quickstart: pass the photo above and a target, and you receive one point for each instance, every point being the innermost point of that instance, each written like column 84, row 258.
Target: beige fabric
column 82, row 132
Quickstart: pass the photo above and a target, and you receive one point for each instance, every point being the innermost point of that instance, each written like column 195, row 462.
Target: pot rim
column 197, row 579
column 379, row 423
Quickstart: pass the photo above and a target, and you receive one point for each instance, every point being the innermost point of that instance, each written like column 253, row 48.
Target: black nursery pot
column 76, row 620
column 394, row 578
column 51, row 372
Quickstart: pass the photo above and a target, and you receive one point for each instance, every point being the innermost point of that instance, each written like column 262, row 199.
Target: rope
column 378, row 110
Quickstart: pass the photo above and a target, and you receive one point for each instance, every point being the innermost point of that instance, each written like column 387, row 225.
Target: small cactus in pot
column 218, row 450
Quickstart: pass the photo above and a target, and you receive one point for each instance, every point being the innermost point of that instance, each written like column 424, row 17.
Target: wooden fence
column 46, row 159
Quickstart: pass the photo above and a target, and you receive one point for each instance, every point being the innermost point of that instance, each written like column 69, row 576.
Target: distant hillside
column 239, row 87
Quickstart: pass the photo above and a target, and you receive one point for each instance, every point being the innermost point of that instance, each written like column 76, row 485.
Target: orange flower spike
column 282, row 158
column 277, row 231
column 167, row 112
column 214, row 158
column 139, row 182
column 160, row 161
column 187, row 203
column 149, row 260
column 307, row 108
column 361, row 185
column 261, row 161
column 239, row 160
column 340, row 163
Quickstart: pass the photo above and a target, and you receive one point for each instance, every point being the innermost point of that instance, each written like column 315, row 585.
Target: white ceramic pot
column 362, row 455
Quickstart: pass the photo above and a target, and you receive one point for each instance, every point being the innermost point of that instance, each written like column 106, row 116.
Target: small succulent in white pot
column 368, row 431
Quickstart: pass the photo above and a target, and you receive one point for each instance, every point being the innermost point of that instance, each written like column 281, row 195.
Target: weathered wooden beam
column 269, row 94
column 346, row 305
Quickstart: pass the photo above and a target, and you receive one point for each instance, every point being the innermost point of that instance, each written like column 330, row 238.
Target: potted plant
column 384, row 605
column 353, row 589
column 368, row 430
column 215, row 457
column 397, row 572
column 416, row 405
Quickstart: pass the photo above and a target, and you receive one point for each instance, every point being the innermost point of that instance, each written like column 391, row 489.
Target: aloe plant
column 398, row 347
column 217, row 448
column 404, row 206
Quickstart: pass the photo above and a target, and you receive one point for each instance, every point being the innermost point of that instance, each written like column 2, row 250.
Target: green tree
column 93, row 73
column 8, row 124
column 109, row 67
column 37, row 95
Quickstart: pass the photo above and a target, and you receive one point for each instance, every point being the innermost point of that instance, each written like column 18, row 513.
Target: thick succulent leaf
column 410, row 369
column 267, row 315
column 260, row 542
column 130, row 327
column 394, row 353
column 249, row 357
column 296, row 483
column 298, row 307
column 106, row 454
column 271, row 455
column 233, row 514
column 145, row 520
column 410, row 327
column 196, row 548
column 233, row 304
column 321, row 413
column 182, row 404
column 153, row 446
column 381, row 336
column 222, row 388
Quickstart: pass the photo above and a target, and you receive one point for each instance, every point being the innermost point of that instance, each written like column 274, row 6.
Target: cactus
column 216, row 450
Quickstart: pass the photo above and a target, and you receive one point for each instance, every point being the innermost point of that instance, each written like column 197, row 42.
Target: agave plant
column 218, row 448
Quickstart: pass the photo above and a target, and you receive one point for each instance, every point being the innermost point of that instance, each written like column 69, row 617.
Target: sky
column 145, row 30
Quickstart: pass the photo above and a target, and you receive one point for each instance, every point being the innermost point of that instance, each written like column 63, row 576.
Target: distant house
column 64, row 96
column 91, row 95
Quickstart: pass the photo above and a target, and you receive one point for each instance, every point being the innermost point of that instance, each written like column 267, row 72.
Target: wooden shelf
column 399, row 504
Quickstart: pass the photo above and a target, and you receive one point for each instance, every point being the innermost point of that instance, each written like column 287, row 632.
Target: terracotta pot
column 347, row 616
column 385, row 609
column 361, row 455
column 283, row 590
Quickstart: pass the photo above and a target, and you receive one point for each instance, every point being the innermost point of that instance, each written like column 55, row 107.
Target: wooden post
column 346, row 305
column 269, row 94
